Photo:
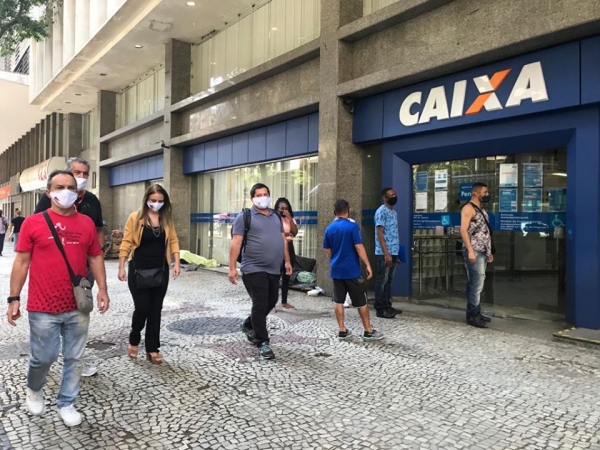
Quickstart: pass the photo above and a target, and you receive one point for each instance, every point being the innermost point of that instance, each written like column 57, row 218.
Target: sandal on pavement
column 132, row 351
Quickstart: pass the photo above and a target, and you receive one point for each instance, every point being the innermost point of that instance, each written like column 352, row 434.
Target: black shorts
column 355, row 287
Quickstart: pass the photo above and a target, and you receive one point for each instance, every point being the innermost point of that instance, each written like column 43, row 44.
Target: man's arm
column 362, row 254
column 101, row 236
column 328, row 253
column 466, row 215
column 234, row 252
column 99, row 271
column 17, row 281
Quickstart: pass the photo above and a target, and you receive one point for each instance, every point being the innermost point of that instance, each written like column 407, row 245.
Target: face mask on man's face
column 81, row 184
column 64, row 198
column 485, row 198
column 392, row 200
column 261, row 202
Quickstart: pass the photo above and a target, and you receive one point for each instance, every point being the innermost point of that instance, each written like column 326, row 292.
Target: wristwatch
column 13, row 299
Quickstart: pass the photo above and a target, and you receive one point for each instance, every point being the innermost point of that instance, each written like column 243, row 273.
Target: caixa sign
column 537, row 82
column 530, row 85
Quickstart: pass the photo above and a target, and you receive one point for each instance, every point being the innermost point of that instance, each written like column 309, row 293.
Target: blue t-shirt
column 388, row 219
column 340, row 237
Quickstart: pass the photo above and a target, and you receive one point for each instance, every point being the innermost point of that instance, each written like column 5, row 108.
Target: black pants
column 2, row 236
column 264, row 292
column 285, row 279
column 148, row 308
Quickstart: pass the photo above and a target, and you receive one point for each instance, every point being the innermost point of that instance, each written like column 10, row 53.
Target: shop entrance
column 528, row 216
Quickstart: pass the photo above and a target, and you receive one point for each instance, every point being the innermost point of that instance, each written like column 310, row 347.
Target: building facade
column 327, row 99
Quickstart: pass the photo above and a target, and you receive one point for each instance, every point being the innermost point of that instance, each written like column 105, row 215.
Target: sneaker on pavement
column 248, row 332
column 344, row 334
column 372, row 336
column 88, row 370
column 396, row 311
column 35, row 402
column 347, row 302
column 70, row 416
column 265, row 352
column 486, row 319
column 388, row 314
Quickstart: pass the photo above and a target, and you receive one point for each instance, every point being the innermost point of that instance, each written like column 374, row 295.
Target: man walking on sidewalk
column 51, row 304
column 477, row 251
column 260, row 231
column 387, row 248
column 343, row 245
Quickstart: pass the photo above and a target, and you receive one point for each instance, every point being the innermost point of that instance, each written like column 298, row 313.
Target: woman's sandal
column 288, row 306
column 132, row 351
column 154, row 358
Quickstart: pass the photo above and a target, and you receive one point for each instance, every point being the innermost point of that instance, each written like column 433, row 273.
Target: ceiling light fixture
column 274, row 29
column 102, row 74
column 68, row 103
column 138, row 45
column 191, row 3
column 78, row 95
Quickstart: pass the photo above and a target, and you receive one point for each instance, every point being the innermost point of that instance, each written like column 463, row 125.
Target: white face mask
column 81, row 184
column 65, row 198
column 261, row 202
column 155, row 206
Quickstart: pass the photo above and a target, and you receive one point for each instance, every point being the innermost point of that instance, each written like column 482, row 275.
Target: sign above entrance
column 541, row 81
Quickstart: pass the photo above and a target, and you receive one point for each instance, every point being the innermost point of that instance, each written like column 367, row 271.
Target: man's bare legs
column 339, row 315
column 363, row 311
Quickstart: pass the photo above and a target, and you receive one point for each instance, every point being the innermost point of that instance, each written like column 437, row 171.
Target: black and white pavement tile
column 430, row 384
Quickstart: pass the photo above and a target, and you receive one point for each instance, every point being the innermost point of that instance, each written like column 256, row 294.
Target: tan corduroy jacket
column 132, row 238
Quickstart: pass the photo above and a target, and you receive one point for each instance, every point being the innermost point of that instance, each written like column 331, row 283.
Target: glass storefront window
column 220, row 196
column 528, row 212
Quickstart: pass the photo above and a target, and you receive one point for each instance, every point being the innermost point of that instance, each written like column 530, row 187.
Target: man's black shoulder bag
column 82, row 289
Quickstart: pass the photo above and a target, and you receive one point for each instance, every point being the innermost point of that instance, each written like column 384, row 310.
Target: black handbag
column 150, row 278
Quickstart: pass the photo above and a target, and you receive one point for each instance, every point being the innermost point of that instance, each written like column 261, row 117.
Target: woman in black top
column 150, row 243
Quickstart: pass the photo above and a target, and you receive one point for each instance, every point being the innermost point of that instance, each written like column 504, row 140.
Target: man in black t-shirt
column 16, row 226
column 87, row 204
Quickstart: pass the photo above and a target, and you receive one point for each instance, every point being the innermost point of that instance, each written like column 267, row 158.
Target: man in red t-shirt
column 51, row 304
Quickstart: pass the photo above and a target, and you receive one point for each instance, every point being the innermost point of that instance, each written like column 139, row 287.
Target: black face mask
column 485, row 199
column 392, row 200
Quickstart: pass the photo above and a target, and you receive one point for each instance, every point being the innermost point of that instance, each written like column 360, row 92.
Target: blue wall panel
column 291, row 138
column 276, row 141
column 135, row 171
column 257, row 145
column 296, row 138
column 211, row 155
column 239, row 149
column 225, row 147
column 590, row 70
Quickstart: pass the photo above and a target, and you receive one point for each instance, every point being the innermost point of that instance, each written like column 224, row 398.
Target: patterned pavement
column 431, row 384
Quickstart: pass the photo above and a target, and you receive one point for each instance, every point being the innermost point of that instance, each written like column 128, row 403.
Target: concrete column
column 340, row 161
column 97, row 15
column 68, row 16
column 73, row 130
column 57, row 38
column 177, row 87
column 82, row 24
column 47, row 60
column 107, row 115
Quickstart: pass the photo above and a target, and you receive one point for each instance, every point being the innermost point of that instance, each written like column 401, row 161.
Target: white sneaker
column 347, row 302
column 88, row 371
column 70, row 416
column 35, row 402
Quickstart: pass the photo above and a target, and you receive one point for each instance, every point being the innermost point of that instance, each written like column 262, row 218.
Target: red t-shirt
column 50, row 287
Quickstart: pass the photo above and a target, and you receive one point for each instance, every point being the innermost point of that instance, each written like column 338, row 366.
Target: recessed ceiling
column 124, row 63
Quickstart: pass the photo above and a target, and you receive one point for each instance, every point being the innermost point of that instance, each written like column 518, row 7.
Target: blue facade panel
column 295, row 137
column 135, row 171
column 590, row 70
column 225, row 147
column 239, row 149
column 276, row 141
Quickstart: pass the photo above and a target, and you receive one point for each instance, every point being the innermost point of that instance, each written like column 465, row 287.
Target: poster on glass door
column 533, row 175
column 441, row 180
column 509, row 175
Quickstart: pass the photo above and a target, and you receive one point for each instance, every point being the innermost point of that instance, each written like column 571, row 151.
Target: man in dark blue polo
column 265, row 247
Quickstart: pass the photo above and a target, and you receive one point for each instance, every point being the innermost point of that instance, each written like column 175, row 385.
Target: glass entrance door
column 528, row 215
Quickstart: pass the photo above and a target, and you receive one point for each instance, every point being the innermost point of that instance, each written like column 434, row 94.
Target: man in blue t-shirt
column 343, row 245
column 387, row 247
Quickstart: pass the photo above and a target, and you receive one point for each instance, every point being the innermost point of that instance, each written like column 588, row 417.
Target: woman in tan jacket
column 149, row 244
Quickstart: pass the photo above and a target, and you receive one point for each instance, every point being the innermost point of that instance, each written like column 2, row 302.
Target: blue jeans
column 45, row 333
column 383, row 283
column 475, row 281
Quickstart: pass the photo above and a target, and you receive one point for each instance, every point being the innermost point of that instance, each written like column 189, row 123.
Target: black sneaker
column 265, row 352
column 344, row 334
column 486, row 319
column 372, row 336
column 388, row 314
column 396, row 311
column 476, row 321
column 248, row 332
